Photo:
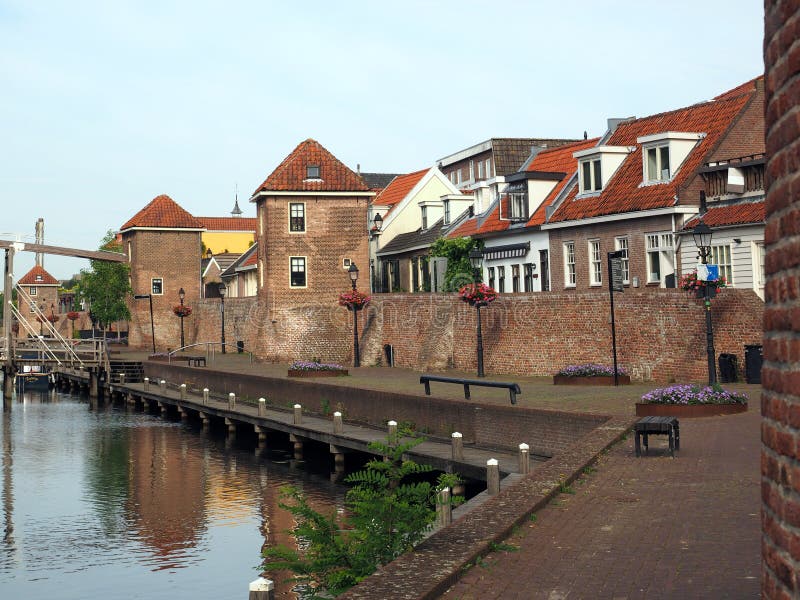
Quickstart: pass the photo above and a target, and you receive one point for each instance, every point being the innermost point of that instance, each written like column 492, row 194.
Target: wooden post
column 298, row 446
column 298, row 414
column 231, row 400
column 231, row 427
column 444, row 510
column 458, row 446
column 338, row 426
column 338, row 458
column 146, row 384
column 262, row 589
column 492, row 477
column 262, row 407
column 183, row 391
column 262, row 437
column 94, row 388
column 524, row 459
column 206, row 421
column 205, row 395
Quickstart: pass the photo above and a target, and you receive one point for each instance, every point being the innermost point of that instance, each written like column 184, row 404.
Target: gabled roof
column 744, row 213
column 291, row 174
column 398, row 189
column 249, row 258
column 37, row 276
column 163, row 213
column 511, row 153
column 745, row 88
column 229, row 223
column 624, row 192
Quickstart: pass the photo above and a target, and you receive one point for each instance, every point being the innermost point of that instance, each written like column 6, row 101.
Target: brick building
column 39, row 288
column 780, row 402
column 162, row 242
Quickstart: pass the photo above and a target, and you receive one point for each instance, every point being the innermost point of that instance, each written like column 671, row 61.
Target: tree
column 459, row 271
column 389, row 510
column 105, row 287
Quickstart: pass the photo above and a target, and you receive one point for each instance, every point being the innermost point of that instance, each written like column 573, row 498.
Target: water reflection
column 96, row 499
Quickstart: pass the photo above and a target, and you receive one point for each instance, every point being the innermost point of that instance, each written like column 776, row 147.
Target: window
column 514, row 278
column 346, row 262
column 660, row 256
column 761, row 277
column 591, row 176
column 488, row 168
column 657, row 164
column 569, row 264
column 312, row 172
column 480, row 169
column 424, row 217
column 472, row 170
column 721, row 256
column 157, row 286
column 491, row 277
column 297, row 217
column 529, row 277
column 501, row 279
column 519, row 206
column 595, row 263
column 446, row 212
column 32, row 290
column 39, row 278
column 621, row 244
column 297, row 276
column 458, row 176
column 33, row 307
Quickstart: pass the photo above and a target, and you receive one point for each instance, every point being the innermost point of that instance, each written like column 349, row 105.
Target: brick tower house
column 162, row 242
column 42, row 288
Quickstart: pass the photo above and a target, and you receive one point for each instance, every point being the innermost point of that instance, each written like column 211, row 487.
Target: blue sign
column 707, row 272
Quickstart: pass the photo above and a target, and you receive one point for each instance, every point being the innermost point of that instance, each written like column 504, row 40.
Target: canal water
column 102, row 503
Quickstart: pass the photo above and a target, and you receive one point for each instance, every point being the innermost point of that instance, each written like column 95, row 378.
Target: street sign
column 615, row 270
column 707, row 272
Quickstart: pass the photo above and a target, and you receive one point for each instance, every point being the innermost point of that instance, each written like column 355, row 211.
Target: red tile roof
column 399, row 188
column 44, row 278
column 251, row 260
column 735, row 214
column 334, row 176
column 229, row 223
column 745, row 88
column 163, row 212
column 624, row 192
column 466, row 229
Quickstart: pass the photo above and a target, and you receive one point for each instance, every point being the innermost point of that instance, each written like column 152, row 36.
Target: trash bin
column 728, row 368
column 753, row 357
column 240, row 346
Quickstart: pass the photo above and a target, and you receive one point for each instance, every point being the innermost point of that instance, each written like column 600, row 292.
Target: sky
column 104, row 105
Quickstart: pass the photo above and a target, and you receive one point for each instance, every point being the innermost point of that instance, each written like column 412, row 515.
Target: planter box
column 591, row 380
column 294, row 373
column 688, row 411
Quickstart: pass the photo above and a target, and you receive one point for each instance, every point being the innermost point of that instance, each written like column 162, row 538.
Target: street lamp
column 182, row 295
column 222, row 290
column 353, row 273
column 702, row 239
column 476, row 260
column 152, row 325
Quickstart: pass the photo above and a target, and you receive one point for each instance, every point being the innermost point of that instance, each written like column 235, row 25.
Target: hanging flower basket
column 181, row 310
column 73, row 315
column 52, row 318
column 477, row 294
column 690, row 283
column 354, row 300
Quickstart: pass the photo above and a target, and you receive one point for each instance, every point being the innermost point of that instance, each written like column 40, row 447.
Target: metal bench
column 658, row 426
column 513, row 388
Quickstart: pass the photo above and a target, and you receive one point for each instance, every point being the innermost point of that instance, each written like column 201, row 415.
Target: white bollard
column 122, row 378
column 524, row 459
column 183, row 391
column 392, row 433
column 146, row 384
column 262, row 589
column 492, row 477
column 262, row 407
column 458, row 446
column 231, row 400
column 162, row 384
column 298, row 414
column 205, row 395
column 337, row 422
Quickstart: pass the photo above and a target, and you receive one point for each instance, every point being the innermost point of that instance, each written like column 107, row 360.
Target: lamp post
column 702, row 239
column 222, row 289
column 476, row 260
column 353, row 273
column 152, row 325
column 377, row 225
column 182, row 295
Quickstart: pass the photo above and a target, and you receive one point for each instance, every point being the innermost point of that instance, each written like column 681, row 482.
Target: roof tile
column 734, row 214
column 37, row 276
column 229, row 223
column 163, row 212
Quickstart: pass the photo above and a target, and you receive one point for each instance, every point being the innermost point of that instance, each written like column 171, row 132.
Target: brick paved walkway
column 644, row 528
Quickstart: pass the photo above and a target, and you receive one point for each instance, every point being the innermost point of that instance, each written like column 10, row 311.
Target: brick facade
column 780, row 404
column 46, row 298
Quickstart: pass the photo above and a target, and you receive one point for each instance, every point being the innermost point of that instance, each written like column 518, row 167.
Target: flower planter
column 328, row 373
column 591, row 380
column 688, row 411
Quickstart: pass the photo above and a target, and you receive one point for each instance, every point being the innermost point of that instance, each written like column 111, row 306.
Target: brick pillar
column 780, row 403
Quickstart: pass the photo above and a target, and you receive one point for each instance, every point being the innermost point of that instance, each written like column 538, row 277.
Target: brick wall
column 747, row 132
column 780, row 403
column 46, row 298
column 660, row 333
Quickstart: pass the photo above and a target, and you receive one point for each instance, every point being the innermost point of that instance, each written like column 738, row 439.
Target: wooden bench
column 513, row 388
column 658, row 426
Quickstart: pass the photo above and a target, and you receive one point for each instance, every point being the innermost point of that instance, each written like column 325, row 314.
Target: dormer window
column 39, row 278
column 597, row 165
column 663, row 154
column 446, row 204
column 657, row 163
column 424, row 217
column 519, row 206
column 591, row 175
column 312, row 172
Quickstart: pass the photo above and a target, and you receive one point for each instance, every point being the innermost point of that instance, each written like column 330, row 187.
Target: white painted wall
column 539, row 240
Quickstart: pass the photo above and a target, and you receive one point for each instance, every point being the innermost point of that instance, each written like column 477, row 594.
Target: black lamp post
column 702, row 239
column 222, row 290
column 353, row 273
column 182, row 295
column 476, row 260
column 152, row 325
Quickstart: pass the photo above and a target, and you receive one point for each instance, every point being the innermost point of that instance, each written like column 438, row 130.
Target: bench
column 658, row 426
column 513, row 388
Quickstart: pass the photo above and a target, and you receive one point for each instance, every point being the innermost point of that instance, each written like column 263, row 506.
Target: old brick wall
column 746, row 136
column 780, row 403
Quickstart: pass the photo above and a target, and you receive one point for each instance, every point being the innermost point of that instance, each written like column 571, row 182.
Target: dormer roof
column 163, row 213
column 37, row 276
column 293, row 174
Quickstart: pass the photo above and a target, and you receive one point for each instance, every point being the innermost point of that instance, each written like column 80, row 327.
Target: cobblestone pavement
column 652, row 527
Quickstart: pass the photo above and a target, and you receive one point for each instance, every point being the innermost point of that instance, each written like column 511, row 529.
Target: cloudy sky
column 106, row 104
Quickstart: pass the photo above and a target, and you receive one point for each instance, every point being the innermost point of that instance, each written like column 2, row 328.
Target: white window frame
column 595, row 175
column 658, row 242
column 722, row 256
column 446, row 207
column 595, row 263
column 304, row 271
column 759, row 264
column 570, row 278
column 658, row 176
column 424, row 217
column 33, row 290
column 480, row 169
column 622, row 244
column 501, row 279
column 152, row 286
column 291, row 206
column 488, row 168
column 515, row 278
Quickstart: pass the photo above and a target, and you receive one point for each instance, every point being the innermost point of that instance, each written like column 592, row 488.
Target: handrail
column 50, row 327
column 30, row 330
column 210, row 350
